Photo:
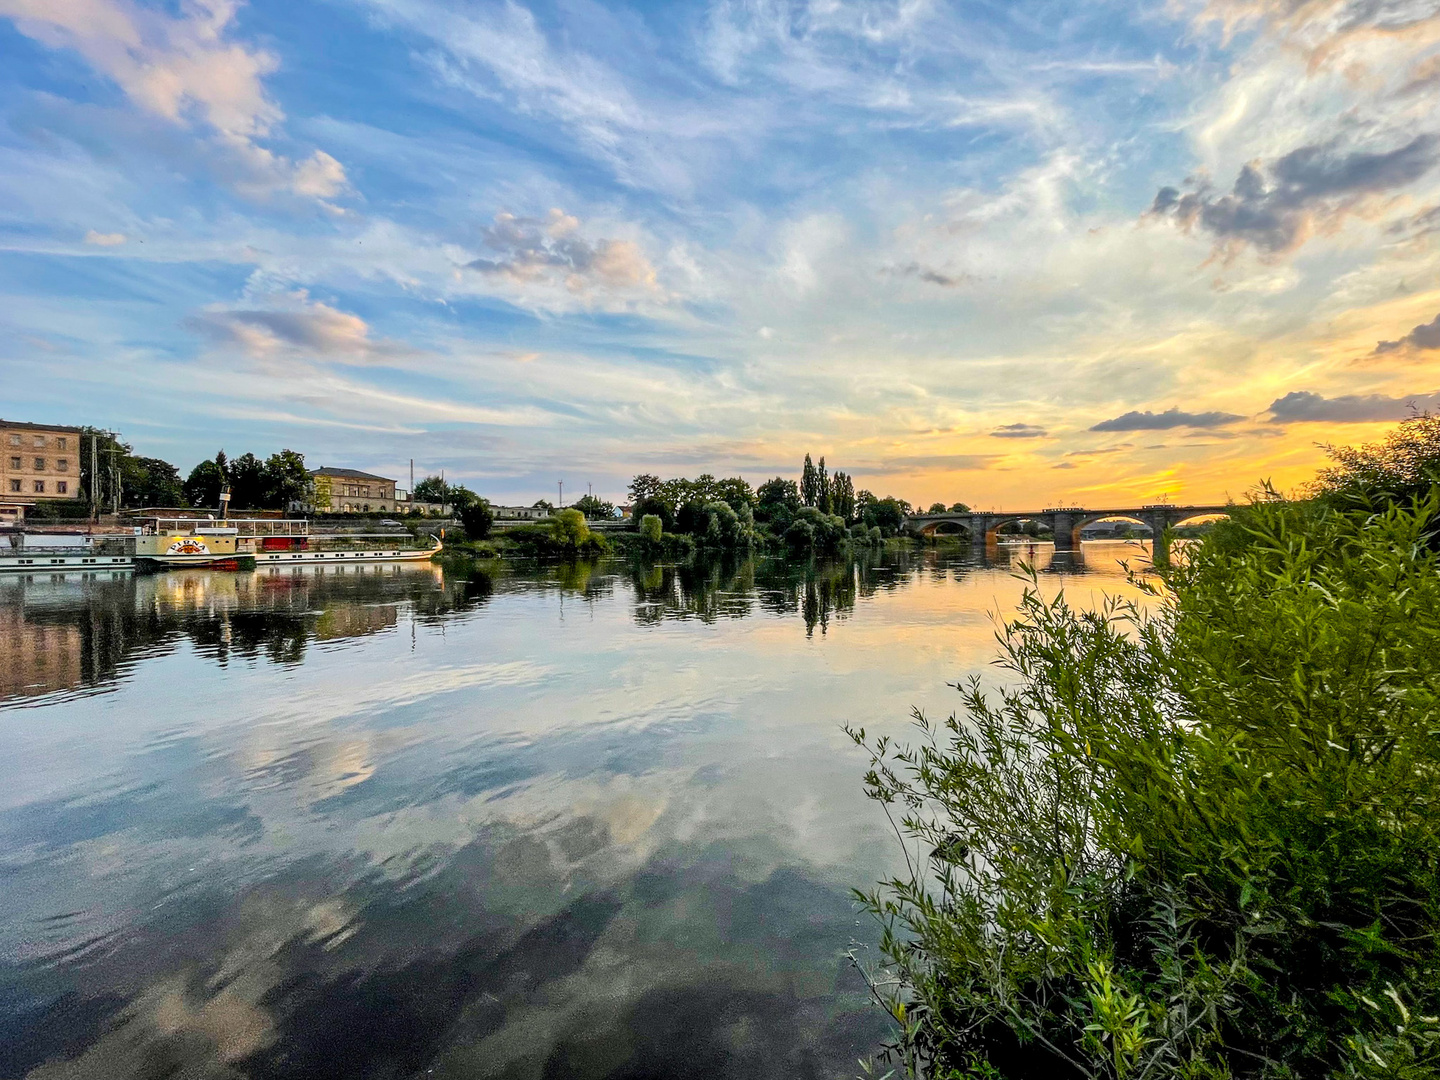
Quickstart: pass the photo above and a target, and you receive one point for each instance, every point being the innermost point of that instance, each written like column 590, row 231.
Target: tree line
column 819, row 513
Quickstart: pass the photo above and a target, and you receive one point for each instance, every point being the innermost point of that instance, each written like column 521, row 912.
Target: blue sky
column 966, row 251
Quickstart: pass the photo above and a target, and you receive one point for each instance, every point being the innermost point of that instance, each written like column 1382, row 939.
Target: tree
column 651, row 529
column 1402, row 466
column 809, row 483
column 432, row 489
column 959, row 508
column 937, row 508
column 460, row 497
column 776, row 503
column 286, row 480
column 247, row 483
column 147, row 481
column 644, row 486
column 569, row 528
column 477, row 517
column 842, row 496
column 822, row 488
column 543, row 504
column 593, row 507
column 202, row 486
column 653, row 506
column 888, row 515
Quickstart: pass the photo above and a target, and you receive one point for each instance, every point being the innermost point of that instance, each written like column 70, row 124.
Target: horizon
column 1002, row 256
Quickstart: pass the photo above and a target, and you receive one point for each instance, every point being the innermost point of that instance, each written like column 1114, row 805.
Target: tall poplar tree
column 809, row 483
column 822, row 494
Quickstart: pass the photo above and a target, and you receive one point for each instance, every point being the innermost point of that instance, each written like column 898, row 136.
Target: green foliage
column 680, row 503
column 937, row 508
column 960, row 508
column 286, row 479
column 815, row 533
column 1200, row 842
column 809, row 483
column 430, row 489
column 147, row 481
column 776, row 503
column 202, row 486
column 570, row 528
column 593, row 507
column 477, row 518
column 247, row 483
column 651, row 528
column 887, row 514
column 1401, row 467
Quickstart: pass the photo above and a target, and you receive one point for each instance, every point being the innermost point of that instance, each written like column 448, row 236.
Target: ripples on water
column 582, row 821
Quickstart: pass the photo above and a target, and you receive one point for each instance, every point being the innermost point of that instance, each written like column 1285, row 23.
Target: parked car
column 392, row 521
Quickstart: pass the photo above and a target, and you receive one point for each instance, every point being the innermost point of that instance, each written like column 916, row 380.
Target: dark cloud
column 1424, row 336
column 1302, row 406
column 933, row 276
column 1164, row 421
column 1276, row 209
column 1065, row 465
column 1018, row 431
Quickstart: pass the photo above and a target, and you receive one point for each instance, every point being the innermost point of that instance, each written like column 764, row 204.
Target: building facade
column 349, row 491
column 38, row 462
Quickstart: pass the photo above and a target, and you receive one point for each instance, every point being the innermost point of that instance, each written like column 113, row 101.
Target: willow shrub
column 1195, row 841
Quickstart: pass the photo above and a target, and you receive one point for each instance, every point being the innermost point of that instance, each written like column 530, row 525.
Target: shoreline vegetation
column 1198, row 838
column 821, row 515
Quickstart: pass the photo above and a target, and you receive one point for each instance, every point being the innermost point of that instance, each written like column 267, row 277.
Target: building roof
column 40, row 427
column 349, row 474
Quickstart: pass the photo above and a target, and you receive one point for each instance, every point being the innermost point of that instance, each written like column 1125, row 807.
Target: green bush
column 478, row 518
column 1198, row 842
column 651, row 528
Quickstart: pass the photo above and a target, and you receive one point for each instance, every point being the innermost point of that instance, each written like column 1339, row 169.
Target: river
column 587, row 821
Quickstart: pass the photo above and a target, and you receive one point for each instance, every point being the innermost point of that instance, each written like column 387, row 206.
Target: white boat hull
column 40, row 562
column 310, row 558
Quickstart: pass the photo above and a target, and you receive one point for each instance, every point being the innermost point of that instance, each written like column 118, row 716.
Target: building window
column 39, row 487
column 63, row 465
column 62, row 487
column 39, row 440
column 40, row 463
column 14, row 462
column 60, row 442
column 14, row 440
column 15, row 485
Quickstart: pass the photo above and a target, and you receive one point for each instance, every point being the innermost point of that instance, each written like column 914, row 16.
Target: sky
column 1006, row 253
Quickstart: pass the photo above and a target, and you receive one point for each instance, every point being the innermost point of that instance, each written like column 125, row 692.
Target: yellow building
column 341, row 491
column 38, row 461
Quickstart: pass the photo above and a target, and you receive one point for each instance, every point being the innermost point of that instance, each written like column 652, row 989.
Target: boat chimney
column 224, row 503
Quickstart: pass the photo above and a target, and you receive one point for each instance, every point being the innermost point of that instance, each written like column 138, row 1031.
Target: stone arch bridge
column 1064, row 521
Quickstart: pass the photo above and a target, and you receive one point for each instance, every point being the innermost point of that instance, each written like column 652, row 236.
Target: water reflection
column 566, row 821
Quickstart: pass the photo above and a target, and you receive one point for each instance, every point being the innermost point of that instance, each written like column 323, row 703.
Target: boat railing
column 239, row 526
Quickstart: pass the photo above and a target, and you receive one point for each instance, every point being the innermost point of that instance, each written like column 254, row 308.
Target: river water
column 586, row 821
